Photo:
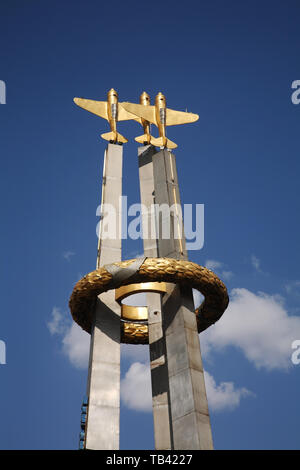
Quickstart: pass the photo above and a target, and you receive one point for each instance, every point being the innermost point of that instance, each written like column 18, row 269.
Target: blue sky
column 231, row 62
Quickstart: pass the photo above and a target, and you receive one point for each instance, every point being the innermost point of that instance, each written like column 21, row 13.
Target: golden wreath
column 185, row 273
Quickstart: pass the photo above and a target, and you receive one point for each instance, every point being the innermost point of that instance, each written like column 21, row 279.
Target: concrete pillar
column 189, row 416
column 158, row 366
column 103, row 387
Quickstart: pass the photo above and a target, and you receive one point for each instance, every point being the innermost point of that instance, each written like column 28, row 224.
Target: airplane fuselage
column 112, row 110
column 160, row 114
column 145, row 100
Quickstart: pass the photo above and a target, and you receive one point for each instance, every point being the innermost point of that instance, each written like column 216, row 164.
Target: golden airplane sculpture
column 159, row 115
column 110, row 110
column 144, row 113
column 146, row 137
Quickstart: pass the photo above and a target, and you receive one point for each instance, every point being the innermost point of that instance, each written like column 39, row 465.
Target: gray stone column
column 103, row 388
column 189, row 416
column 158, row 366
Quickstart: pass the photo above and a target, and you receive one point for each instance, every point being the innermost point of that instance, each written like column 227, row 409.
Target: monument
column 168, row 322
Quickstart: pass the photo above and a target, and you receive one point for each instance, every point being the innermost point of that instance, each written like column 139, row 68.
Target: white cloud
column 75, row 341
column 138, row 300
column 136, row 390
column 58, row 322
column 136, row 387
column 76, row 346
column 68, row 255
column 257, row 324
column 213, row 265
column 223, row 396
column 226, row 275
column 255, row 263
column 198, row 298
column 293, row 287
column 218, row 268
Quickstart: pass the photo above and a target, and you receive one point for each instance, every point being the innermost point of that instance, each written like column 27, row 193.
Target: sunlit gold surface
column 125, row 291
column 161, row 116
column 109, row 110
column 146, row 137
column 145, row 99
column 134, row 333
column 185, row 273
column 134, row 313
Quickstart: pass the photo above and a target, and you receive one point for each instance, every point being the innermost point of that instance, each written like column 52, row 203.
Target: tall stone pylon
column 180, row 408
column 157, row 345
column 103, row 387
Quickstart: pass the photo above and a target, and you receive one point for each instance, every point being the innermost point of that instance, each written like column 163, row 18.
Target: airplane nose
column 160, row 96
column 112, row 92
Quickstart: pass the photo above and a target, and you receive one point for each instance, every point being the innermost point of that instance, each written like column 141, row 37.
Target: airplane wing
column 124, row 115
column 140, row 110
column 179, row 117
column 96, row 107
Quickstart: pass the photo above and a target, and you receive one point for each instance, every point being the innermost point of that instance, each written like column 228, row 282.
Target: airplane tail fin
column 142, row 139
column 159, row 142
column 114, row 137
